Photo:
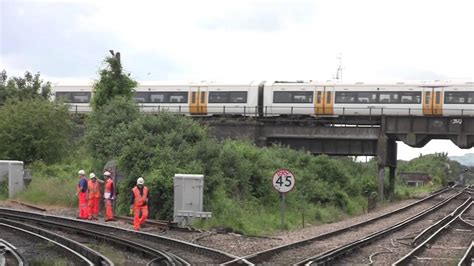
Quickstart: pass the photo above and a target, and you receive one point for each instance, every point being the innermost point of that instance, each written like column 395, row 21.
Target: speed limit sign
column 283, row 180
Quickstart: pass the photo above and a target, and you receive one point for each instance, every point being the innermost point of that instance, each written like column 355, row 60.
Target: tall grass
column 406, row 192
column 253, row 218
column 56, row 184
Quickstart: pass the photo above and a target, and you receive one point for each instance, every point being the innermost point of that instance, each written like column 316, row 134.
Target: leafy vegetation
column 438, row 165
column 21, row 88
column 55, row 184
column 112, row 82
column 34, row 130
column 237, row 173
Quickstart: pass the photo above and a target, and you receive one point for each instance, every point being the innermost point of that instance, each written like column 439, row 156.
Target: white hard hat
column 81, row 172
column 107, row 173
column 92, row 175
column 140, row 181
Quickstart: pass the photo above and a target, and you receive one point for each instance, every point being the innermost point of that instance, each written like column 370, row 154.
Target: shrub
column 34, row 130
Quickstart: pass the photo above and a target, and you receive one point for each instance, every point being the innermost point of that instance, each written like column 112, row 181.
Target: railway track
column 38, row 249
column 9, row 254
column 299, row 251
column 452, row 233
column 173, row 252
column 391, row 244
column 346, row 250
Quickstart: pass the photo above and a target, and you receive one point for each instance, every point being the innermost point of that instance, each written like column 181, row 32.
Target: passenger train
column 279, row 98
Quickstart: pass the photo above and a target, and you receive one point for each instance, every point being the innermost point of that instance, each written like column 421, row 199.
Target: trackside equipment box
column 14, row 173
column 188, row 198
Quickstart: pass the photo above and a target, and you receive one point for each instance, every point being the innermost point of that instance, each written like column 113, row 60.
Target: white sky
column 244, row 40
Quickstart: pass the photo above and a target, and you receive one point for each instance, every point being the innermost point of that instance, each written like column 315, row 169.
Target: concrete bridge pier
column 387, row 157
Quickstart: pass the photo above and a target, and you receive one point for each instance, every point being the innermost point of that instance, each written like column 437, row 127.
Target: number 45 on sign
column 283, row 180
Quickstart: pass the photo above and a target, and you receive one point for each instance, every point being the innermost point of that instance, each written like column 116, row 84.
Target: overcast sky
column 243, row 40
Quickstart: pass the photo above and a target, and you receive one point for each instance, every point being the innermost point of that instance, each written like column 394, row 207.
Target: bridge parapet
column 417, row 131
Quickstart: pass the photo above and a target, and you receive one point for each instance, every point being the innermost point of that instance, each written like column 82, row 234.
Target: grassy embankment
column 238, row 175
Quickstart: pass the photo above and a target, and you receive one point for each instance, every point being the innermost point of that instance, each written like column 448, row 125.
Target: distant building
column 416, row 179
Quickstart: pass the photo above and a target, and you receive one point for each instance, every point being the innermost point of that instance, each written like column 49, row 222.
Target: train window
column 74, row 97
column 318, row 97
column 161, row 97
column 178, row 97
column 238, row 97
column 218, row 97
column 142, row 97
column 470, row 98
column 366, row 97
column 228, row 97
column 328, row 97
column 345, row 97
column 388, row 97
column 193, row 97
column 427, row 97
column 410, row 97
column 454, row 97
column 157, row 97
column 438, row 97
column 293, row 96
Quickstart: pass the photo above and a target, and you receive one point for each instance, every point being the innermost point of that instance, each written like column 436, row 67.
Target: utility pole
column 339, row 69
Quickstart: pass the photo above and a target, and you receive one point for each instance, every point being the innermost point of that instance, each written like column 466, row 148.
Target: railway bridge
column 349, row 136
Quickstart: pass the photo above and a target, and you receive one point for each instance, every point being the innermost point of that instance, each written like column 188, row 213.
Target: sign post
column 283, row 181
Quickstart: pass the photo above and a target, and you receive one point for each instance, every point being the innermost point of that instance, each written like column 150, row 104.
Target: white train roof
column 418, row 83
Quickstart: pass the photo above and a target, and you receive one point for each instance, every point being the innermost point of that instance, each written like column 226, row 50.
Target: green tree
column 107, row 129
column 34, row 129
column 113, row 82
column 22, row 88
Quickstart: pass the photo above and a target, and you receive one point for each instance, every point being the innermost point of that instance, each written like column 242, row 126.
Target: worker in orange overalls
column 139, row 203
column 109, row 197
column 82, row 194
column 93, row 189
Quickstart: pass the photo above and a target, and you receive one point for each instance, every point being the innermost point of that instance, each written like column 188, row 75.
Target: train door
column 432, row 101
column 328, row 100
column 198, row 101
column 319, row 103
column 438, row 101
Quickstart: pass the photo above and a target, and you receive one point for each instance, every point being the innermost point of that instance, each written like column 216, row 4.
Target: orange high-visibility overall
column 94, row 198
column 83, row 212
column 108, row 195
column 140, row 206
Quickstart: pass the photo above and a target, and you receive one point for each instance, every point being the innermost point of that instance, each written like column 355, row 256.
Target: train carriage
column 153, row 97
column 377, row 99
column 280, row 98
column 232, row 99
column 78, row 97
column 458, row 100
column 288, row 98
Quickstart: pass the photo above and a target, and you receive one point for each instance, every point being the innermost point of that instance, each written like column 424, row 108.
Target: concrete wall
column 13, row 170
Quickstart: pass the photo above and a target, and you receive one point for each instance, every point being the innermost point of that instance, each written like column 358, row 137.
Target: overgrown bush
column 34, row 130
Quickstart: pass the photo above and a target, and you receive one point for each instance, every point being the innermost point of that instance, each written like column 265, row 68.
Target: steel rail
column 329, row 256
column 264, row 255
column 7, row 247
column 77, row 255
column 440, row 223
column 162, row 240
column 467, row 258
column 92, row 255
column 407, row 258
column 163, row 256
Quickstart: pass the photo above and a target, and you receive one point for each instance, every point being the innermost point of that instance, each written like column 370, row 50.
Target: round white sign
column 283, row 180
